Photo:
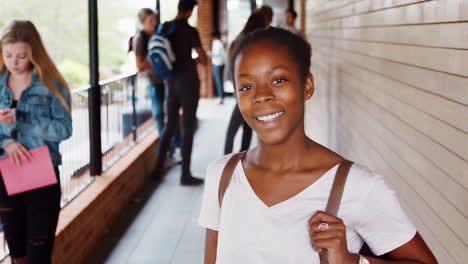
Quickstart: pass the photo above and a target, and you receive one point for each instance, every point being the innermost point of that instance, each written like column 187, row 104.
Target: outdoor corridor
column 390, row 92
column 160, row 226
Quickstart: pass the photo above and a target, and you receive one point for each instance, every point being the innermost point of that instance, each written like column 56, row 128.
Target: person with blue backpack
column 148, row 21
column 156, row 88
column 171, row 56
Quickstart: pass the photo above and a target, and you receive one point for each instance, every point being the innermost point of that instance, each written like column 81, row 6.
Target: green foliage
column 63, row 25
column 75, row 72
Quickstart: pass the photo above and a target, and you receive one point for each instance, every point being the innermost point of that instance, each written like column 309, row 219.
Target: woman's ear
column 309, row 86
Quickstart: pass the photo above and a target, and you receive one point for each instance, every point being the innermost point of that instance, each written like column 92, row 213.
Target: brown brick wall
column 205, row 27
column 303, row 15
column 85, row 220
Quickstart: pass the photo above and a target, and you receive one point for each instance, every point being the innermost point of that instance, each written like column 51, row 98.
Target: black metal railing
column 124, row 110
column 74, row 175
column 125, row 119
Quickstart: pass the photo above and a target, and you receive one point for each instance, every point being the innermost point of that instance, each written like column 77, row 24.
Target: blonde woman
column 34, row 112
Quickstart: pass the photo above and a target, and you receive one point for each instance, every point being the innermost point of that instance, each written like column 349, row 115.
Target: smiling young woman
column 272, row 211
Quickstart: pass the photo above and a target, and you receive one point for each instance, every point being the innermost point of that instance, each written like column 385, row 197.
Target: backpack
column 160, row 53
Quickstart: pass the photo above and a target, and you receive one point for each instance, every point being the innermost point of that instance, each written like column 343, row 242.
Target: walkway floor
column 160, row 226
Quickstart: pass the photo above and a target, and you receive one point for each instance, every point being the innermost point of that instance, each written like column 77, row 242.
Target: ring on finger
column 323, row 227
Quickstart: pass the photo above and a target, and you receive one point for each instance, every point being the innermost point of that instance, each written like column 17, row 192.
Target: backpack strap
column 166, row 29
column 336, row 193
column 334, row 200
column 227, row 175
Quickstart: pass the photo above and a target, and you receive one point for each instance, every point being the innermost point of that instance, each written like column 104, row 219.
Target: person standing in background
column 156, row 90
column 256, row 21
column 36, row 112
column 290, row 19
column 183, row 90
column 267, row 11
column 217, row 59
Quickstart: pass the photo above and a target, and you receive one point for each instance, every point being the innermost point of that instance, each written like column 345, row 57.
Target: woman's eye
column 245, row 88
column 279, row 80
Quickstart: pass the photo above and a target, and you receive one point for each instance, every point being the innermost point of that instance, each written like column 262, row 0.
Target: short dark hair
column 267, row 11
column 186, row 5
column 293, row 13
column 255, row 21
column 298, row 48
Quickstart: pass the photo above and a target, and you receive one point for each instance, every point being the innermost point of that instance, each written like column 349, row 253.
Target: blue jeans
column 157, row 94
column 218, row 77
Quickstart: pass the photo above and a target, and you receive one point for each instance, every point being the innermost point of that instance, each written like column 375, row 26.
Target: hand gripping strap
column 334, row 200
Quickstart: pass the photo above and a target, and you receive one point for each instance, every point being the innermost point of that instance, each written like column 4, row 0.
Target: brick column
column 303, row 16
column 204, row 26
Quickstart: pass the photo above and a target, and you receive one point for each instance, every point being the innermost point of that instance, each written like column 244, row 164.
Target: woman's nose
column 264, row 94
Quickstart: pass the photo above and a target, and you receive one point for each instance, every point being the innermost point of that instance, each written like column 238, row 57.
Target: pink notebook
column 37, row 173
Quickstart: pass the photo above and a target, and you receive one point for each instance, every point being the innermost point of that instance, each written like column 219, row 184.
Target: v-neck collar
column 243, row 177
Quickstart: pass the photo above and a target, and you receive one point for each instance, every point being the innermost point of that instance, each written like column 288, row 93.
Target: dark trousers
column 157, row 94
column 184, row 91
column 236, row 121
column 29, row 221
column 218, row 78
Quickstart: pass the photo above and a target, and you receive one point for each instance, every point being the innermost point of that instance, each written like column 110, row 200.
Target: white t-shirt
column 218, row 52
column 251, row 232
column 293, row 30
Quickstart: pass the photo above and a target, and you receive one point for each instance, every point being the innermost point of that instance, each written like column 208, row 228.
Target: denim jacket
column 41, row 119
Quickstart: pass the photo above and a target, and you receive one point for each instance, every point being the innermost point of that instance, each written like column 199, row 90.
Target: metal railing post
column 134, row 112
column 158, row 9
column 94, row 94
column 253, row 5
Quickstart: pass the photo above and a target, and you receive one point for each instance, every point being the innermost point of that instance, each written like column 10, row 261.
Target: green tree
column 63, row 25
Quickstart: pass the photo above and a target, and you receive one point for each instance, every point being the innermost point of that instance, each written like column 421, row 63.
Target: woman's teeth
column 268, row 118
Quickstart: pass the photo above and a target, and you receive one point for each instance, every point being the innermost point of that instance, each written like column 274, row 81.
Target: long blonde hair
column 44, row 67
